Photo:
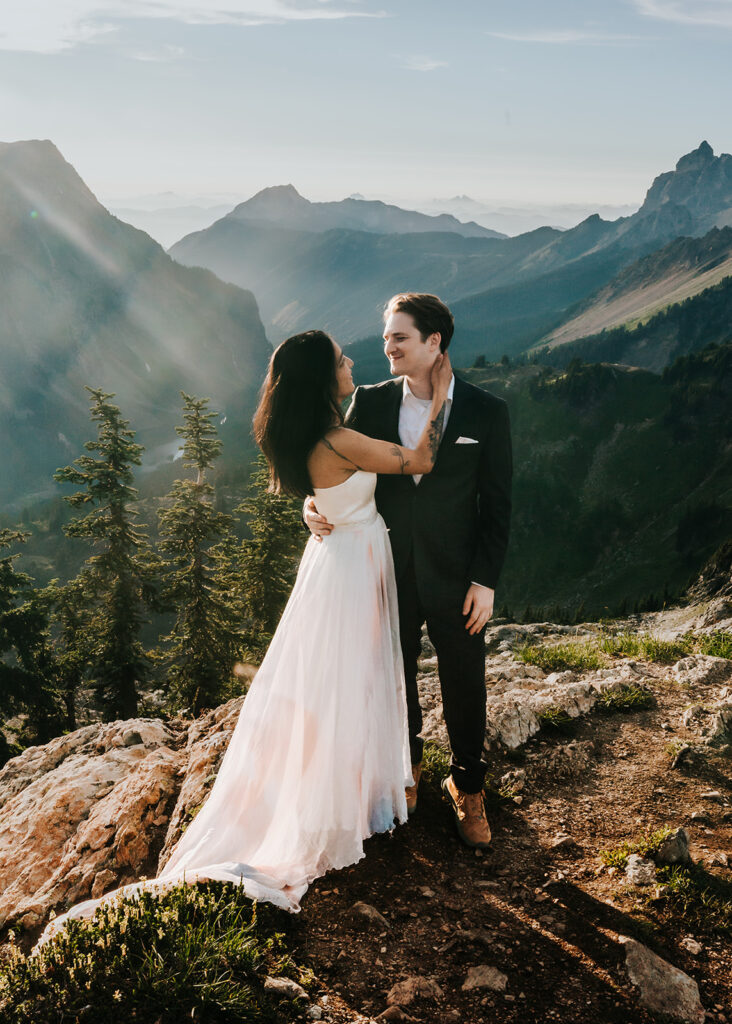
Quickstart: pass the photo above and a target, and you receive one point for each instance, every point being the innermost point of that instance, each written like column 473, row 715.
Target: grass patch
column 645, row 846
column 627, row 698
column 703, row 900
column 587, row 655
column 718, row 644
column 435, row 763
column 644, row 646
column 648, row 647
column 568, row 655
column 194, row 952
column 556, row 718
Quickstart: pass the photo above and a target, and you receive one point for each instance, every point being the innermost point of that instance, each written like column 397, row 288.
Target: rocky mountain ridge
column 678, row 271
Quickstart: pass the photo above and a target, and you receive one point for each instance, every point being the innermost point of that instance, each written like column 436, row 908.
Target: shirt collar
column 408, row 393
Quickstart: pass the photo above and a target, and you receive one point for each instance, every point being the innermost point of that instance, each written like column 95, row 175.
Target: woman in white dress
column 319, row 758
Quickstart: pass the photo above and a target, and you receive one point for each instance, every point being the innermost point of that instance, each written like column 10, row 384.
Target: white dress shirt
column 413, row 414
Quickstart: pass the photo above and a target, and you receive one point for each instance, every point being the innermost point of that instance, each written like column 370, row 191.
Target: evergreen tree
column 26, row 661
column 200, row 582
column 269, row 560
column 119, row 580
column 72, row 641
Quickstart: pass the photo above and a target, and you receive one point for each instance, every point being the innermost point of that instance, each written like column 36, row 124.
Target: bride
column 319, row 758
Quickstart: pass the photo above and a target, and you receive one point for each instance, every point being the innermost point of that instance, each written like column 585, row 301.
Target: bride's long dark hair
column 298, row 405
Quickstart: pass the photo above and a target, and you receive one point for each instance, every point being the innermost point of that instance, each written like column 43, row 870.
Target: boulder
column 100, row 807
column 675, row 849
column 702, row 670
column 664, row 989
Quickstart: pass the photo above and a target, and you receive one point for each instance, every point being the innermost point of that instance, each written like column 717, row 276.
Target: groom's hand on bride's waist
column 478, row 606
column 317, row 524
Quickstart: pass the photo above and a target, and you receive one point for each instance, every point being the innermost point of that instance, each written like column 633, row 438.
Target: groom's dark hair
column 430, row 314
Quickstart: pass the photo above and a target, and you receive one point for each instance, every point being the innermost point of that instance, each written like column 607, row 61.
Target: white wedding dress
column 319, row 757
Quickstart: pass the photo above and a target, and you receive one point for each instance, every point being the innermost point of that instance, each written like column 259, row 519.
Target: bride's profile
column 319, row 758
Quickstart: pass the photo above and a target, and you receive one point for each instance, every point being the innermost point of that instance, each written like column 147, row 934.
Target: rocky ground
column 538, row 928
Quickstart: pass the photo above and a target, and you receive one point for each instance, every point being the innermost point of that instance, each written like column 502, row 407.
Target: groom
column 449, row 533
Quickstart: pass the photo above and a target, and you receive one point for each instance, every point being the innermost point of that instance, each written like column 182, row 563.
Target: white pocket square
column 466, row 440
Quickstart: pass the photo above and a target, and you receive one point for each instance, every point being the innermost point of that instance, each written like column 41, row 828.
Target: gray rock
column 314, row 1013
column 364, row 914
column 702, row 818
column 406, row 992
column 640, row 871
column 484, row 976
column 702, row 670
column 286, row 988
column 675, row 849
column 690, row 944
column 663, row 988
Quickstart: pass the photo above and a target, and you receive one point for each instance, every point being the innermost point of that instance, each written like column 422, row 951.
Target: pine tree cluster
column 220, row 597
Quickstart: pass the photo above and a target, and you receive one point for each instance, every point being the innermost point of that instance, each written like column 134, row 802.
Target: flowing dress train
column 319, row 757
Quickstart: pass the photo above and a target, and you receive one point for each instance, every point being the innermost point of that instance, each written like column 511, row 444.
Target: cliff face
column 87, row 299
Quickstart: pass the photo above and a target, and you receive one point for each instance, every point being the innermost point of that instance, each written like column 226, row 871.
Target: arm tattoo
column 340, row 455
column 403, row 463
column 435, row 434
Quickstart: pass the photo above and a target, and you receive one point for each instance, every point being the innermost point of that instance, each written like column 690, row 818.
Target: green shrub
column 644, row 845
column 194, row 952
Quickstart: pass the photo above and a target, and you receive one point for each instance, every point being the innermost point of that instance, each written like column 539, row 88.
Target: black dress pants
column 461, row 668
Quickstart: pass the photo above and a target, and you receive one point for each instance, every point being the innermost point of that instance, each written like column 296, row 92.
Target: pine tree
column 119, row 580
column 269, row 559
column 27, row 677
column 200, row 582
column 72, row 640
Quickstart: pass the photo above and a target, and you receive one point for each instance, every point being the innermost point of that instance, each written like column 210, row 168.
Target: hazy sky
column 509, row 102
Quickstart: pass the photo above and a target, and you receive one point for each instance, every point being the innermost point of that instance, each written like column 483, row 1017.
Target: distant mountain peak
column 701, row 184
column 704, row 154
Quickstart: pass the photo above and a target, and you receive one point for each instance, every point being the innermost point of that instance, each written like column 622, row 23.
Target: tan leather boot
column 469, row 811
column 411, row 791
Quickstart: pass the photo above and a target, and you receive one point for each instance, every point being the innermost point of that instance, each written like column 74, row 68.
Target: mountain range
column 309, row 267
column 88, row 299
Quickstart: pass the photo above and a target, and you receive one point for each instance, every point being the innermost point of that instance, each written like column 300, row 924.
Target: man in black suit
column 449, row 533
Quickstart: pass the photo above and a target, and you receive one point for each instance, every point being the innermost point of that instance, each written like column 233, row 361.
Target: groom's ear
column 434, row 340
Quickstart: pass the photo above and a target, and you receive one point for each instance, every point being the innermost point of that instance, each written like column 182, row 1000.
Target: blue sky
column 509, row 102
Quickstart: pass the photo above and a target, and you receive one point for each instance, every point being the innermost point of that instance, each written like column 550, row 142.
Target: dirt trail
column 546, row 918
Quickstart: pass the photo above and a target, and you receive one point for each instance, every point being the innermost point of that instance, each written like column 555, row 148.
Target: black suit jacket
column 456, row 520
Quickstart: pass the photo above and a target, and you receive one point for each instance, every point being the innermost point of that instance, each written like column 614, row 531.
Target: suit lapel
column 458, row 415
